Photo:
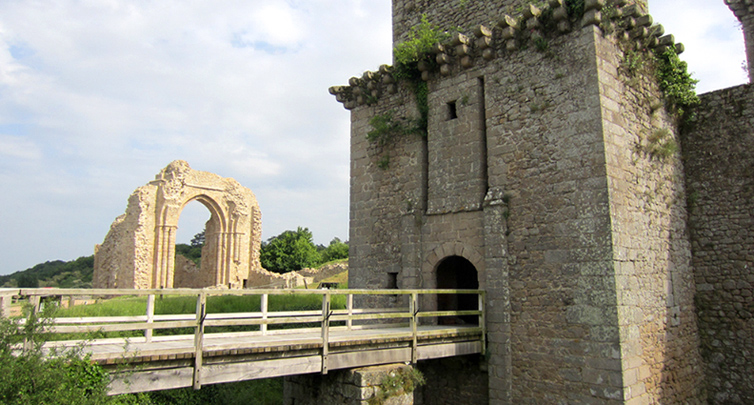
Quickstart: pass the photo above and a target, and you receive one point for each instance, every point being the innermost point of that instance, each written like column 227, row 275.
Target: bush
column 336, row 250
column 34, row 377
column 289, row 251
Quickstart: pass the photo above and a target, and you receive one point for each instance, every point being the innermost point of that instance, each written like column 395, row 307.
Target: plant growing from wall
column 633, row 61
column 660, row 145
column 421, row 39
column 408, row 55
column 575, row 9
column 398, row 382
column 676, row 83
column 385, row 127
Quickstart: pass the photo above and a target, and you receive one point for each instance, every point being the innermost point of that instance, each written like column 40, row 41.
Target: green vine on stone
column 385, row 127
column 676, row 82
column 421, row 39
column 575, row 9
column 660, row 145
column 408, row 54
column 398, row 382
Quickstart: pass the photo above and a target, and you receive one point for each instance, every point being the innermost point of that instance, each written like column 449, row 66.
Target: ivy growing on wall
column 676, row 83
column 396, row 383
column 408, row 55
column 417, row 48
column 575, row 8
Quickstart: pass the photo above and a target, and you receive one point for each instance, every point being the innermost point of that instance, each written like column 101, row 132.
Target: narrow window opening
column 392, row 281
column 452, row 111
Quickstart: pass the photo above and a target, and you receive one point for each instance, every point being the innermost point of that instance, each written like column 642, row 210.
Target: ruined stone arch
column 139, row 250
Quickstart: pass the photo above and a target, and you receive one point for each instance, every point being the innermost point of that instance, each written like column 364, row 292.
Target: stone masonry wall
column 651, row 250
column 545, row 155
column 125, row 259
column 462, row 378
column 386, row 203
column 539, row 169
column 720, row 179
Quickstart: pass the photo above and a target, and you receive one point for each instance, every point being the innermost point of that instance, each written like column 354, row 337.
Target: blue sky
column 97, row 96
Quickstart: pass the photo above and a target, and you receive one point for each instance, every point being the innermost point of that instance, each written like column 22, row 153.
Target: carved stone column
column 744, row 11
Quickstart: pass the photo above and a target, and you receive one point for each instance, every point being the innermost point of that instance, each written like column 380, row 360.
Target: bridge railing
column 412, row 307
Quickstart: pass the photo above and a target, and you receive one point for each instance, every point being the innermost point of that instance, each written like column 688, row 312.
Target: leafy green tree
column 289, row 251
column 199, row 239
column 190, row 252
column 336, row 250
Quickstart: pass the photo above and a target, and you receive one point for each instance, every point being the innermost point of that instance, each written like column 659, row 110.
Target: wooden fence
column 401, row 310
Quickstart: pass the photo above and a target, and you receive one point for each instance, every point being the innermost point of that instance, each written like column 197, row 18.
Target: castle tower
column 534, row 159
column 744, row 11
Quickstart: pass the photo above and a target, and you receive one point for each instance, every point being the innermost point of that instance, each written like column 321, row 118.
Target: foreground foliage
column 69, row 377
column 30, row 377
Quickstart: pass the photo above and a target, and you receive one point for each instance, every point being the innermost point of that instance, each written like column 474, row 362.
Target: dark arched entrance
column 456, row 272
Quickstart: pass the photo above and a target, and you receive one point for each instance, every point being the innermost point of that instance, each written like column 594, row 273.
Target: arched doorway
column 456, row 272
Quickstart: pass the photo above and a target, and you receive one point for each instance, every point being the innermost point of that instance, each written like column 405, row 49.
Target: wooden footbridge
column 157, row 351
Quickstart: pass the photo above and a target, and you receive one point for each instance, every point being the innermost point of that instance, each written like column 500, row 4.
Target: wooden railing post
column 325, row 328
column 263, row 307
column 414, row 309
column 483, row 321
column 36, row 303
column 201, row 313
column 150, row 317
column 5, row 303
column 34, row 308
column 349, row 306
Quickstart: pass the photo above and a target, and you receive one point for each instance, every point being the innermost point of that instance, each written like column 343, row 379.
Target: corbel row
column 367, row 88
column 511, row 34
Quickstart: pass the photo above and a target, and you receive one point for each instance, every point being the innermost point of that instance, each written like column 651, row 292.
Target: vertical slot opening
column 452, row 111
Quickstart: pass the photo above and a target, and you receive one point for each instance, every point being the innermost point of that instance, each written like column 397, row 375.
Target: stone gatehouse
column 616, row 249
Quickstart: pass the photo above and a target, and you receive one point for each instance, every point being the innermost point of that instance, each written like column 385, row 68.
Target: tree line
column 289, row 251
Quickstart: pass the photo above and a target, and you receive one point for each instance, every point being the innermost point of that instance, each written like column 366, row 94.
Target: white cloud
column 710, row 34
column 16, row 147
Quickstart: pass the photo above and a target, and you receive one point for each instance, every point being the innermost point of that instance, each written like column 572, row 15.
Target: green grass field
column 135, row 306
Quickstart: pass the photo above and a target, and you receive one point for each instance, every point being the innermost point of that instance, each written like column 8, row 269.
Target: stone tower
column 533, row 155
column 744, row 11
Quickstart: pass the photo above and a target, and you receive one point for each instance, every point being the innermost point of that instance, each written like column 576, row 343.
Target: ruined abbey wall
column 719, row 167
column 139, row 249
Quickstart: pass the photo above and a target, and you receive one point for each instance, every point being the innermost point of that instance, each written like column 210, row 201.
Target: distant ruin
column 139, row 250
